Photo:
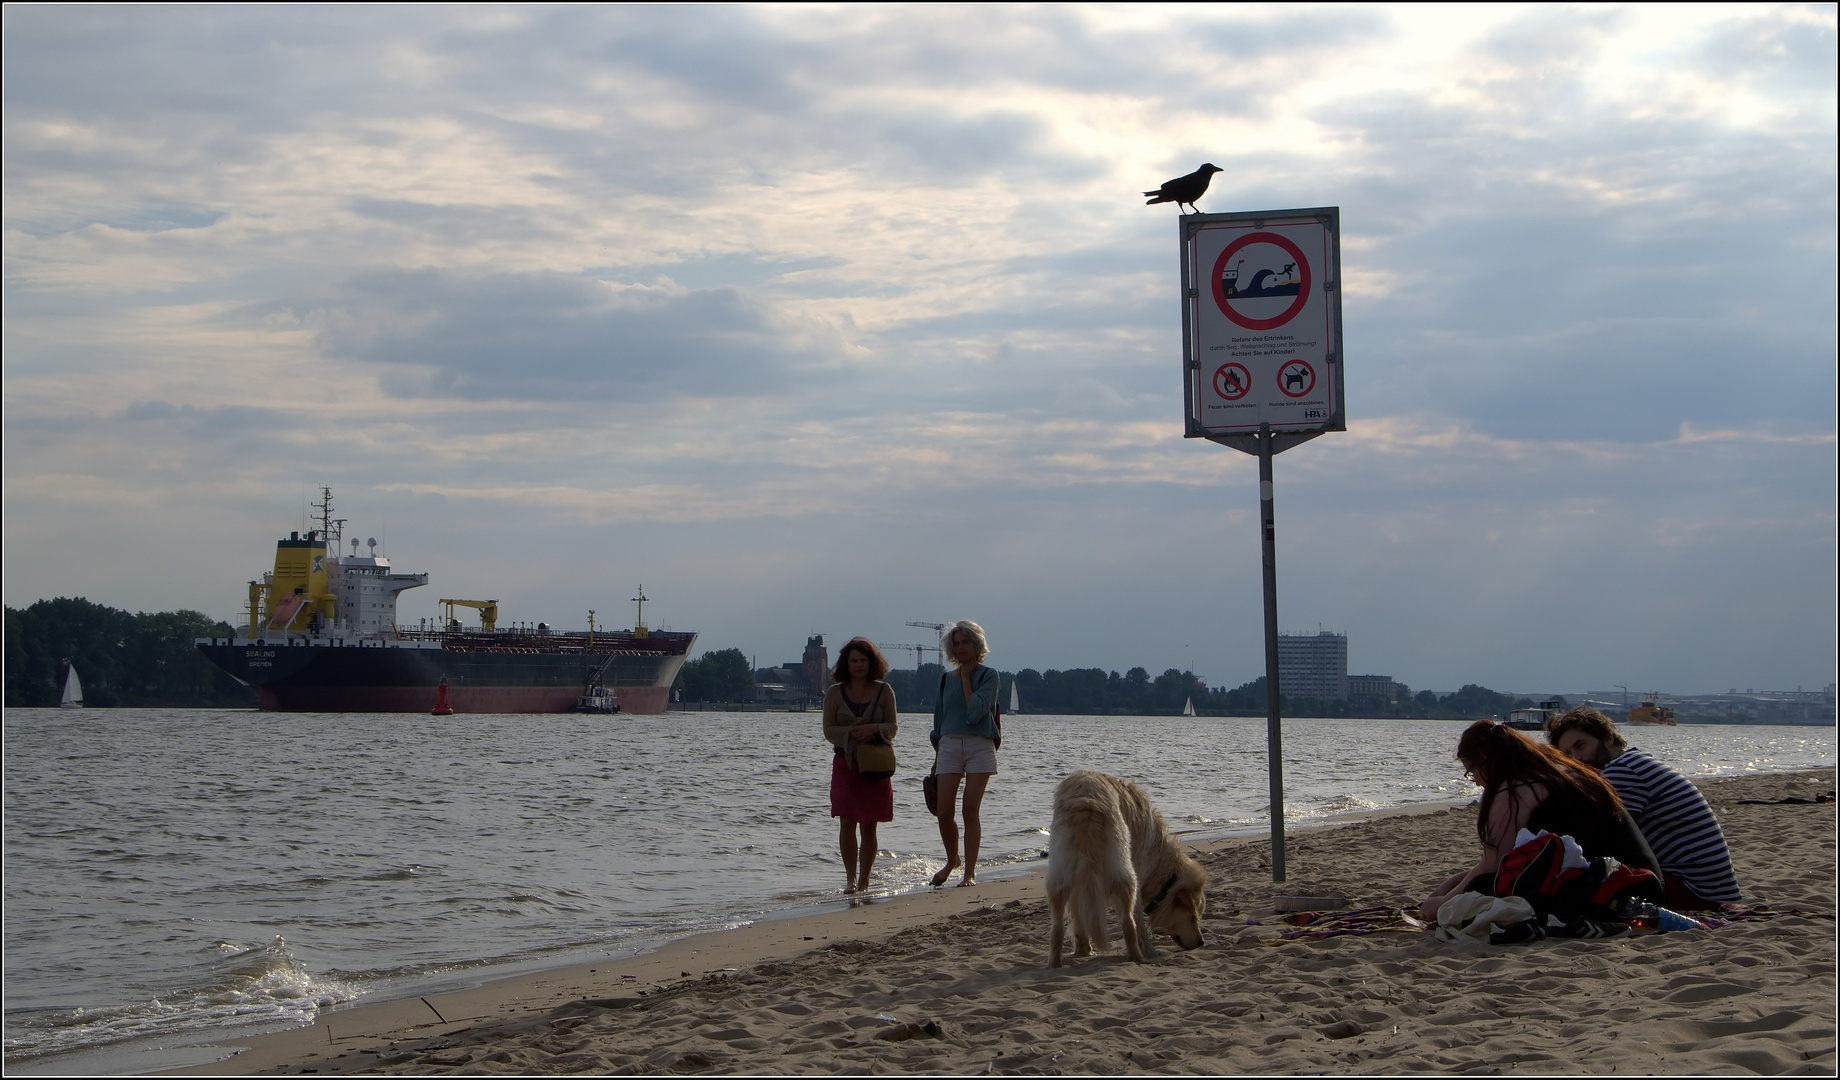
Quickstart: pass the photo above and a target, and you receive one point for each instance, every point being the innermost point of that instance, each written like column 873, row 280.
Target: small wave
column 1346, row 804
column 404, row 873
column 240, row 984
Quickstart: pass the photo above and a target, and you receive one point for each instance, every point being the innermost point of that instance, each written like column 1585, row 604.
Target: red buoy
column 441, row 707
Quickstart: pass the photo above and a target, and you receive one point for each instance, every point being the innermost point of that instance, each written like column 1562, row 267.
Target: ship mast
column 330, row 527
column 639, row 623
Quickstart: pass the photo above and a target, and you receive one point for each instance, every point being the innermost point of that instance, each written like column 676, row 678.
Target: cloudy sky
column 819, row 320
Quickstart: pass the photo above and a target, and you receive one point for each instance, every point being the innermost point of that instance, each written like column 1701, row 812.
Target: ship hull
column 509, row 677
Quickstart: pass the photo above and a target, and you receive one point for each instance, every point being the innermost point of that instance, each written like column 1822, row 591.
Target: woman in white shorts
column 965, row 734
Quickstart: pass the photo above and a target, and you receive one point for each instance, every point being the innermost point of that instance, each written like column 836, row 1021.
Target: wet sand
column 956, row 981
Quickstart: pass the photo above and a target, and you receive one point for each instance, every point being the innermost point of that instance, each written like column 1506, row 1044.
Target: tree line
column 725, row 675
column 128, row 659
column 123, row 659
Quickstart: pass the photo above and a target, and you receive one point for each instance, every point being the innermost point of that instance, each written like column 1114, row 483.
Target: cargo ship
column 321, row 636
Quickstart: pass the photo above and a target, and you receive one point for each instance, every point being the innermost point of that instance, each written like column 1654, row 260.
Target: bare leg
column 865, row 856
column 948, row 825
column 975, row 783
column 846, row 840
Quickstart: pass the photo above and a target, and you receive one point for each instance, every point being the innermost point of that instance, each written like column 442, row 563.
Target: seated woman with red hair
column 1528, row 785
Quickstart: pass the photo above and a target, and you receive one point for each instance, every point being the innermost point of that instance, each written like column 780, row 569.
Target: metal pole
column 1274, row 733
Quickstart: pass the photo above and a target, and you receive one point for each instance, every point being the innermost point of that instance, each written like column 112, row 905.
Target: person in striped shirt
column 1673, row 815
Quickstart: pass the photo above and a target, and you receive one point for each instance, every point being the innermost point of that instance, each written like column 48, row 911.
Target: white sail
column 1188, row 707
column 73, row 691
column 1015, row 703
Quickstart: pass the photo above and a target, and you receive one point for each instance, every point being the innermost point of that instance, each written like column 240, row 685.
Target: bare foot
column 849, row 890
column 940, row 878
column 968, row 881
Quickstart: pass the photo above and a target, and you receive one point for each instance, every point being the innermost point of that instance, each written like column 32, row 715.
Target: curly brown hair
column 1588, row 720
column 878, row 664
column 1500, row 757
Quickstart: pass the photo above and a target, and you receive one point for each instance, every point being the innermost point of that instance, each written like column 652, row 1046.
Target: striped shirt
column 1678, row 824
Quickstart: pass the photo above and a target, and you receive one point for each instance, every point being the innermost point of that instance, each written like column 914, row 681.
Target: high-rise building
column 1313, row 665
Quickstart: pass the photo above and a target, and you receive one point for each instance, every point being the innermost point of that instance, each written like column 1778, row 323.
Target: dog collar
column 1162, row 894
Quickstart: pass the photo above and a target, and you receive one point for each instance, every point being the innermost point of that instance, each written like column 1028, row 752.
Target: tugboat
column 1651, row 711
column 321, row 636
column 598, row 699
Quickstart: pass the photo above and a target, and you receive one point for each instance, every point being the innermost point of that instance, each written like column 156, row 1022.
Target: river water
column 178, row 875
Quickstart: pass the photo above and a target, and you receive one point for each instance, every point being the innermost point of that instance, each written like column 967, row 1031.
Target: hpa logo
column 319, row 563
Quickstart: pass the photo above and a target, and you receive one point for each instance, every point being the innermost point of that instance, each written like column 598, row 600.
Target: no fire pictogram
column 1232, row 381
column 1296, row 378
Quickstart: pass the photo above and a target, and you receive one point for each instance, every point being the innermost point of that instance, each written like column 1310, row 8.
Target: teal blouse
column 953, row 715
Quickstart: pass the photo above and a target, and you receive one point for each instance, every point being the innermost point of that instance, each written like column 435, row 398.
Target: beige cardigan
column 838, row 719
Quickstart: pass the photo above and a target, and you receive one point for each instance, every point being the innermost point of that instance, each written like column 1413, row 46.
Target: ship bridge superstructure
column 316, row 592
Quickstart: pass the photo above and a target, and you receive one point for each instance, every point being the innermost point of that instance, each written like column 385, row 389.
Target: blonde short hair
column 969, row 629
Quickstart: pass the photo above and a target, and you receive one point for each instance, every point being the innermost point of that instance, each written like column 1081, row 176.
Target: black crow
column 1184, row 189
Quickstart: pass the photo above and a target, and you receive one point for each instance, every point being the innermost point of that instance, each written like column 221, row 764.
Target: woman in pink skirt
column 859, row 708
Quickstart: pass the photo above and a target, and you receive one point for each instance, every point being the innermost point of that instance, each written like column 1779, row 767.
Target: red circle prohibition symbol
column 1289, row 313
column 1297, row 373
column 1232, row 381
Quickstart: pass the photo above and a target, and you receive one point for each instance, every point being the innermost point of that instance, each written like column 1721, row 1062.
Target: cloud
column 563, row 337
column 768, row 298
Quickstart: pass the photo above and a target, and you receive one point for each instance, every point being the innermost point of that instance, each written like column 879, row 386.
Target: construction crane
column 920, row 651
column 488, row 613
column 937, row 628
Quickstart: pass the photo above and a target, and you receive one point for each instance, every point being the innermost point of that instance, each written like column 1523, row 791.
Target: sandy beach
column 956, row 981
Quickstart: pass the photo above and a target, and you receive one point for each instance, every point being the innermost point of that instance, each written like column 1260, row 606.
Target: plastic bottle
column 1673, row 920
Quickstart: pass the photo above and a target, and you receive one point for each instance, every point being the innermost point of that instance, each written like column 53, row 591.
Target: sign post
column 1262, row 372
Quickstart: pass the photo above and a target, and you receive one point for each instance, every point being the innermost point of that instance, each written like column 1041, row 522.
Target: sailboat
column 1188, row 707
column 1015, row 703
column 73, row 690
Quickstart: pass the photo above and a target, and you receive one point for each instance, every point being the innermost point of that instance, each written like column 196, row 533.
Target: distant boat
column 1651, row 711
column 1015, row 703
column 1188, row 707
column 1535, row 719
column 73, row 691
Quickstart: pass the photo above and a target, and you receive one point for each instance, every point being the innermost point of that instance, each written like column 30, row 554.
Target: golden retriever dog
column 1108, row 847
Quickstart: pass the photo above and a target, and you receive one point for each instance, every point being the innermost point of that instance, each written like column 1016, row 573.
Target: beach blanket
column 1318, row 925
column 1726, row 914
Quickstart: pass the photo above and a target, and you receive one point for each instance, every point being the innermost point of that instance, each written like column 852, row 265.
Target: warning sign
column 1262, row 335
column 1259, row 297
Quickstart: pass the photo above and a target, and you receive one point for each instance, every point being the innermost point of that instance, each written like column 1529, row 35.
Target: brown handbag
column 874, row 760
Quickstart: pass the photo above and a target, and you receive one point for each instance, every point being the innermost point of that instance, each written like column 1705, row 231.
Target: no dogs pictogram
column 1296, row 378
column 1232, row 381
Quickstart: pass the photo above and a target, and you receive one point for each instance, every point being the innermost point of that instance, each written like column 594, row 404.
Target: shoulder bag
column 875, row 760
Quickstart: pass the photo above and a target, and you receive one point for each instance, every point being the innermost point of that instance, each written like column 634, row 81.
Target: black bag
column 929, row 788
